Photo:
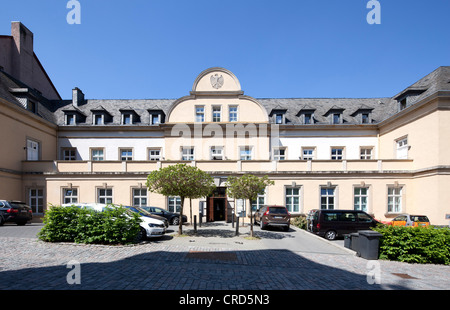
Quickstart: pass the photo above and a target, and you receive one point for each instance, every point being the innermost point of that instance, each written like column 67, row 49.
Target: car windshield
column 141, row 211
column 277, row 210
column 17, row 204
column 419, row 218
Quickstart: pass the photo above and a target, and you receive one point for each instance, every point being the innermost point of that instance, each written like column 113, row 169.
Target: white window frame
column 188, row 153
column 395, row 199
column 214, row 115
column 279, row 153
column 216, row 151
column 126, row 157
column 199, row 113
column 69, row 153
column 327, row 197
column 69, row 195
column 245, row 152
column 291, row 206
column 152, row 155
column 99, row 116
column 97, row 157
column 106, row 196
column 233, row 116
column 156, row 116
column 311, row 118
column 125, row 115
column 337, row 156
column 36, row 200
column 33, row 149
column 402, row 147
column 308, row 156
column 339, row 118
column 358, row 197
column 173, row 204
column 366, row 152
column 137, row 193
column 71, row 119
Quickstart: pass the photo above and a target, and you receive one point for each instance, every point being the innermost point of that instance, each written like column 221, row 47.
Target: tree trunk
column 251, row 218
column 180, row 225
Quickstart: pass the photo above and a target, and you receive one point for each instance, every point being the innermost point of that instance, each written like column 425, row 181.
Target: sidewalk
column 212, row 259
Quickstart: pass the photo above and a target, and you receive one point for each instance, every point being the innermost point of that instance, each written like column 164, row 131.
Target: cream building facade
column 382, row 155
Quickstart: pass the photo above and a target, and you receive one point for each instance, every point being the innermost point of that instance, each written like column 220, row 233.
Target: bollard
column 237, row 225
column 195, row 223
column 232, row 219
column 200, row 220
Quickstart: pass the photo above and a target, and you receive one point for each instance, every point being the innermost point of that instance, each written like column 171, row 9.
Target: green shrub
column 424, row 245
column 299, row 221
column 72, row 224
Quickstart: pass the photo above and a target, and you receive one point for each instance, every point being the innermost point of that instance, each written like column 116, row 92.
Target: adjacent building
column 383, row 155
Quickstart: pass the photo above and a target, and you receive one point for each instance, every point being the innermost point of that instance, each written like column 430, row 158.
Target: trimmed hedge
column 423, row 245
column 71, row 224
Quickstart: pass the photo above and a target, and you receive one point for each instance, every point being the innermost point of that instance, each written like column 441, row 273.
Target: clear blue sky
column 278, row 49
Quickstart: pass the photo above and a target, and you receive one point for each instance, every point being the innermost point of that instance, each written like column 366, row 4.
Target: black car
column 14, row 211
column 143, row 212
column 173, row 218
column 333, row 223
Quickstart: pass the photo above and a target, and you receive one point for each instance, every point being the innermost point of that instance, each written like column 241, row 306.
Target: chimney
column 77, row 97
column 23, row 53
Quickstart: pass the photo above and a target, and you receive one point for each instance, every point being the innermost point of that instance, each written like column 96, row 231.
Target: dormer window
column 127, row 118
column 403, row 104
column 156, row 117
column 365, row 118
column 99, row 119
column 306, row 115
column 335, row 115
column 278, row 116
column 71, row 119
column 307, row 118
column 363, row 115
column 336, row 118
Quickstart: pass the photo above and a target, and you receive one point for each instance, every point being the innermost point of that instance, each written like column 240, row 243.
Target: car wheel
column 330, row 235
column 176, row 221
column 286, row 228
column 141, row 235
column 261, row 225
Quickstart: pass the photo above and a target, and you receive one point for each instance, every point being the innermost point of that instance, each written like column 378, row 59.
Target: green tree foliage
column 247, row 187
column 183, row 181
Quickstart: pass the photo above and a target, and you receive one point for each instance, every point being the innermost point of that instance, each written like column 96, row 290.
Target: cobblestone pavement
column 212, row 259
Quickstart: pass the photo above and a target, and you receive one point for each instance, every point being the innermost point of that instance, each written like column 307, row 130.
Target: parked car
column 409, row 220
column 15, row 211
column 150, row 227
column 143, row 212
column 333, row 223
column 173, row 218
column 276, row 216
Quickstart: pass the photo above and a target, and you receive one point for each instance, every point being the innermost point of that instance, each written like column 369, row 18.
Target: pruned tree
column 183, row 181
column 247, row 187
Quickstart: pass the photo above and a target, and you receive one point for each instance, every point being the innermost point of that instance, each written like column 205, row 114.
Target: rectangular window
column 337, row 153
column 233, row 114
column 139, row 197
column 336, row 118
column 200, row 114
column 278, row 118
column 69, row 154
column 327, row 198
column 365, row 118
column 187, row 153
column 155, row 119
column 293, row 199
column 70, row 119
column 174, row 204
column 395, row 199
column 32, row 150
column 127, row 119
column 98, row 119
column 307, row 153
column 70, row 195
column 360, row 198
column 36, row 200
column 308, row 118
column 279, row 154
column 216, row 113
column 105, row 195
column 97, row 154
column 366, row 153
column 126, row 154
column 216, row 152
column 402, row 148
column 245, row 153
column 259, row 202
column 154, row 154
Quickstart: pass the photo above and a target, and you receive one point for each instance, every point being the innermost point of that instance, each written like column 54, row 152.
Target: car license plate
column 23, row 211
column 278, row 217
